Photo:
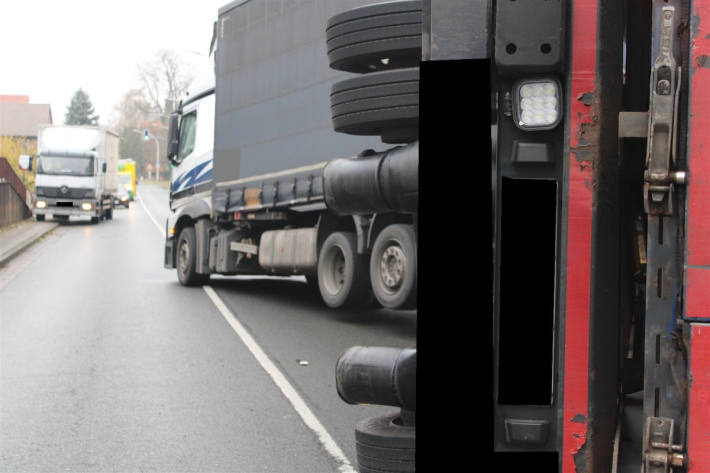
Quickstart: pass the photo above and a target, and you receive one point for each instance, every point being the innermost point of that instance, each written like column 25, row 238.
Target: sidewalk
column 15, row 238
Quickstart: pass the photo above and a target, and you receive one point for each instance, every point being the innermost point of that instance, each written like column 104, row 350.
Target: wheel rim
column 334, row 274
column 183, row 256
column 392, row 267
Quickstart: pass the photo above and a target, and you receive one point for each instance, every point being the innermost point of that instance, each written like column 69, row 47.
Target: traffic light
column 146, row 134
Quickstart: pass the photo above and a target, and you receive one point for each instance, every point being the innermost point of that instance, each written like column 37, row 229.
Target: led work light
column 537, row 104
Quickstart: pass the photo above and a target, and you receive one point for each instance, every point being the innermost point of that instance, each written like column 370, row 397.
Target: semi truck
column 298, row 154
column 76, row 172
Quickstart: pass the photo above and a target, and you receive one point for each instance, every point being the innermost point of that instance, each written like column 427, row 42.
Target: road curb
column 9, row 251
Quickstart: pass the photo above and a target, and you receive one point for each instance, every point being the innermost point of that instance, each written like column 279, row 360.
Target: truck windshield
column 187, row 135
column 62, row 165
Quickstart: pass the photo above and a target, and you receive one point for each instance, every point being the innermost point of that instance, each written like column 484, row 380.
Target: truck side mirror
column 25, row 162
column 103, row 168
column 173, row 136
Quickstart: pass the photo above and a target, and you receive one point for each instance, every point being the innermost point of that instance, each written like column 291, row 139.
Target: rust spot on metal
column 694, row 34
column 703, row 61
column 695, row 27
column 586, row 98
column 585, row 151
column 581, row 459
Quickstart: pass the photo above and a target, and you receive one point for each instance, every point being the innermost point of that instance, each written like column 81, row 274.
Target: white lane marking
column 278, row 378
column 282, row 383
column 162, row 231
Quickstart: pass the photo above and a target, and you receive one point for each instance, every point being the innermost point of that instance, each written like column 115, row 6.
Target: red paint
column 697, row 283
column 698, row 215
column 699, row 400
column 579, row 236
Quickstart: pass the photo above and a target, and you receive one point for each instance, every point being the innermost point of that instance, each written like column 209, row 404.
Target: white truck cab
column 76, row 172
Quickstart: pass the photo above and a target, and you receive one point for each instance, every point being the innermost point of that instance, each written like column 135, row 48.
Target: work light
column 537, row 104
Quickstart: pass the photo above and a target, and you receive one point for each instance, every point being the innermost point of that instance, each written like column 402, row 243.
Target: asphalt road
column 108, row 364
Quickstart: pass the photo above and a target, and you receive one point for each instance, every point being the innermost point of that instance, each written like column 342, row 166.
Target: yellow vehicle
column 127, row 176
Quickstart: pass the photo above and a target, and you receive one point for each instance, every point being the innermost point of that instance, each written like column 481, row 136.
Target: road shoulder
column 17, row 237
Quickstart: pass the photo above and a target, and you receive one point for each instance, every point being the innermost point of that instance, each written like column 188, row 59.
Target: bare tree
column 131, row 114
column 132, row 110
column 165, row 79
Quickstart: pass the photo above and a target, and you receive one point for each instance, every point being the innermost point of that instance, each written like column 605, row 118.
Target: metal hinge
column 659, row 176
column 659, row 454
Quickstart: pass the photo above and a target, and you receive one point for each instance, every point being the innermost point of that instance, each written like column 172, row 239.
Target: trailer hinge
column 659, row 177
column 660, row 455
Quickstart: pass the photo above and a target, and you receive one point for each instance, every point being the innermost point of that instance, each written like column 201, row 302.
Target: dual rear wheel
column 348, row 279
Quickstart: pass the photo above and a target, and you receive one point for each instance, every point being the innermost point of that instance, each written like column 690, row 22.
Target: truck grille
column 64, row 192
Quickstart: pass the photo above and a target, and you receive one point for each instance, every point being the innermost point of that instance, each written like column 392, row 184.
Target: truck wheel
column 342, row 273
column 376, row 37
column 185, row 259
column 384, row 104
column 94, row 220
column 384, row 444
column 39, row 218
column 393, row 267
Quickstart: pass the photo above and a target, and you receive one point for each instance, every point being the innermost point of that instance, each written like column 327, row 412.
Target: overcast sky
column 51, row 48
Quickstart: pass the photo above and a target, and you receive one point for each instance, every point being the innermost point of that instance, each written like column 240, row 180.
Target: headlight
column 124, row 198
column 87, row 206
column 40, row 204
column 537, row 104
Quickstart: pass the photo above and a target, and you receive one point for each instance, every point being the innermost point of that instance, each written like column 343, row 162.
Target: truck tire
column 393, row 267
column 376, row 37
column 39, row 218
column 342, row 273
column 185, row 259
column 384, row 104
column 94, row 220
column 384, row 444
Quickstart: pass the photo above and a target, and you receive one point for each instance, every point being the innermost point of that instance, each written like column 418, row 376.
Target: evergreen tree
column 80, row 110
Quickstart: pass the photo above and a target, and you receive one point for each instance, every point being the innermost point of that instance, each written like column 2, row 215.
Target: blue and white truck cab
column 191, row 153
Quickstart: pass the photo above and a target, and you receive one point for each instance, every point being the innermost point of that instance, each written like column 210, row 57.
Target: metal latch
column 659, row 177
column 659, row 454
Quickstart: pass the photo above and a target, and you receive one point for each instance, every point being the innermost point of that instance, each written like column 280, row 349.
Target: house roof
column 23, row 119
column 14, row 99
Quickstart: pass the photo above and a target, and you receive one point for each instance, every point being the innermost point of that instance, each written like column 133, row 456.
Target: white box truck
column 76, row 172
